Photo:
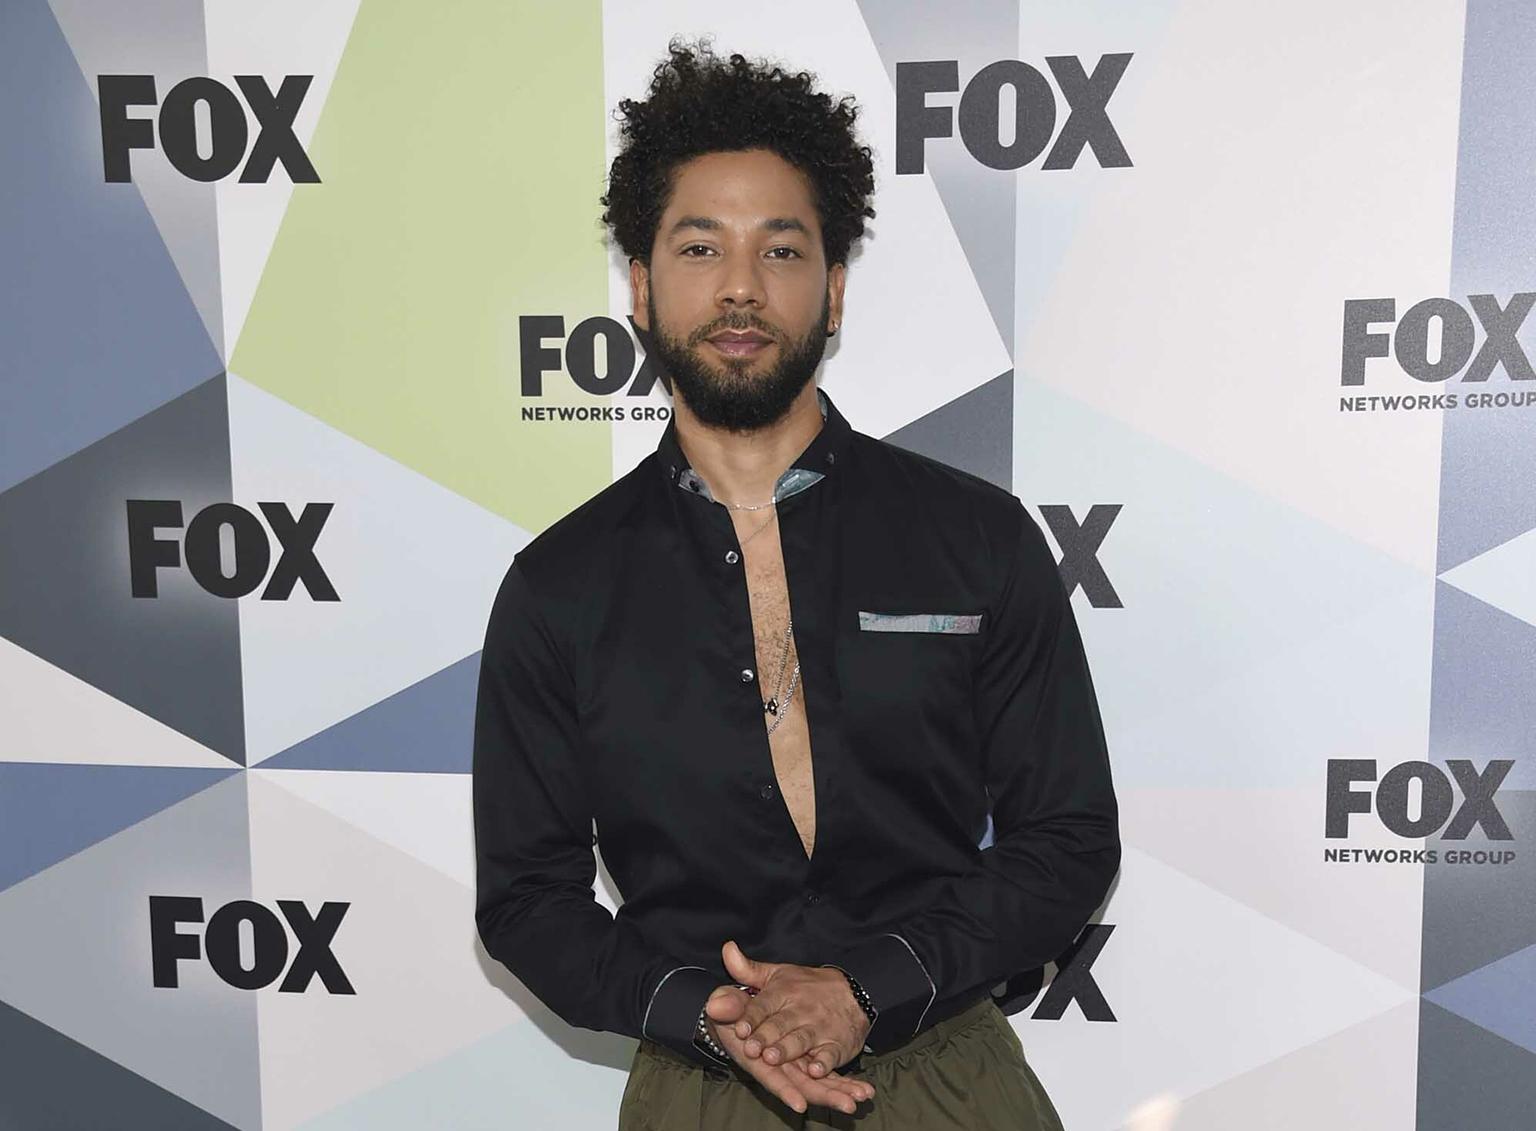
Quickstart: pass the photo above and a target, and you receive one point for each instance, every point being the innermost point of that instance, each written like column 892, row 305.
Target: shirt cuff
column 898, row 986
column 672, row 1017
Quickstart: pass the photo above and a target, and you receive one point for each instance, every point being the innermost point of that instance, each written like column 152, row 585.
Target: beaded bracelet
column 703, row 1036
column 859, row 995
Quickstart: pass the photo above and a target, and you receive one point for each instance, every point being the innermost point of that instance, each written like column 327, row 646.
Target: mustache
column 735, row 321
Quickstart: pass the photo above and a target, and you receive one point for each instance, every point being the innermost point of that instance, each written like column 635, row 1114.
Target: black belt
column 938, row 1011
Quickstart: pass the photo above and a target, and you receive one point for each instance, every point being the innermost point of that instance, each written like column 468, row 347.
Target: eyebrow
column 710, row 224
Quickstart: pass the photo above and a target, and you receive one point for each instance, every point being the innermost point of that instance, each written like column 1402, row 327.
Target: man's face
column 738, row 297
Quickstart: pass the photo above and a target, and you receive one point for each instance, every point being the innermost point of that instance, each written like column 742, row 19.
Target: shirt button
column 732, row 557
column 746, row 675
column 766, row 793
column 812, row 898
column 831, row 457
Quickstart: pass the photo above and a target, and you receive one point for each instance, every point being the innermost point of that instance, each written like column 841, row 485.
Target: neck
column 742, row 467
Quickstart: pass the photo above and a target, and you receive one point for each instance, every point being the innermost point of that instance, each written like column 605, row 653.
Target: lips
column 739, row 343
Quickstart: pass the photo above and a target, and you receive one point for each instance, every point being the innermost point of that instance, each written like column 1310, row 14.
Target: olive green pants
column 966, row 1073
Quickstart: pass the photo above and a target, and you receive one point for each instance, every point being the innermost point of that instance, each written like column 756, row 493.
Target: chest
column 781, row 676
column 702, row 630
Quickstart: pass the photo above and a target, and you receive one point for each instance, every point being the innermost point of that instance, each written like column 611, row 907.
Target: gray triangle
column 48, row 1081
column 1474, row 519
column 973, row 432
column 1476, row 914
column 166, row 39
column 981, row 202
column 78, row 955
column 65, row 590
column 1470, row 1078
column 1478, row 705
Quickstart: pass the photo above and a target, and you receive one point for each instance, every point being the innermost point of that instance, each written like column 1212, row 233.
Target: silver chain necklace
column 760, row 529
column 773, row 706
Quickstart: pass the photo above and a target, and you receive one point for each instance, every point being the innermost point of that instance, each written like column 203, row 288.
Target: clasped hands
column 793, row 1034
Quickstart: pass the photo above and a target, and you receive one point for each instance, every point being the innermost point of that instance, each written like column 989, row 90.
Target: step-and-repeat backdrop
column 308, row 325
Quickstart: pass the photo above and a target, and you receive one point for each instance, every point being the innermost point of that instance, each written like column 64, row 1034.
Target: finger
column 788, row 1047
column 815, row 1064
column 777, row 1081
column 823, row 1058
column 758, row 1010
column 860, row 1089
column 834, row 1091
column 772, row 1028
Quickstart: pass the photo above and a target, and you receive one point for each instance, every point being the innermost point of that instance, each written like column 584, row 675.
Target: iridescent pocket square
column 954, row 623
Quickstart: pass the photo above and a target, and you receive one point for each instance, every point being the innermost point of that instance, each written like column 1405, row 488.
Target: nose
column 741, row 283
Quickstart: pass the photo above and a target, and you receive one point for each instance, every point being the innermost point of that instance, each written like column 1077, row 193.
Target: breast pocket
column 943, row 624
column 907, row 668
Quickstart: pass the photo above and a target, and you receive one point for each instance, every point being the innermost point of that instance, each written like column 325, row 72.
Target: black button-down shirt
column 942, row 677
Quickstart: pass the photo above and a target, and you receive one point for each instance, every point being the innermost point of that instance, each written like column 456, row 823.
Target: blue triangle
column 50, row 812
column 1488, row 456
column 1478, row 706
column 1500, row 997
column 103, row 331
column 426, row 728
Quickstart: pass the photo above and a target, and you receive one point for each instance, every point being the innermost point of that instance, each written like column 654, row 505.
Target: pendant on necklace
column 772, row 706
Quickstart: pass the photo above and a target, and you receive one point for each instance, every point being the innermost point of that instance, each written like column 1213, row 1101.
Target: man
column 787, row 670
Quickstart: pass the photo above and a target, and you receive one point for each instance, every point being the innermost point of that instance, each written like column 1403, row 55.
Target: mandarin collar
column 809, row 467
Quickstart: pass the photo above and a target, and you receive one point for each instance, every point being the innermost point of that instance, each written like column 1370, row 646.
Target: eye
column 702, row 249
column 790, row 253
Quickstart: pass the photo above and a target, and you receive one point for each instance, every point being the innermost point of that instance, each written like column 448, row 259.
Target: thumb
column 742, row 968
column 727, row 1003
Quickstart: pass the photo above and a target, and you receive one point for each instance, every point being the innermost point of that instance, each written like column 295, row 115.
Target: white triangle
column 406, row 944
column 426, row 816
column 1175, row 311
column 1265, row 849
column 1504, row 577
column 52, row 716
column 415, row 565
column 917, row 332
column 1362, row 1079
column 1329, row 663
column 1203, row 989
column 562, row 1077
column 272, row 39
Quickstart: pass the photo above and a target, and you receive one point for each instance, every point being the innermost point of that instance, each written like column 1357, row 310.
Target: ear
column 640, row 294
column 837, row 277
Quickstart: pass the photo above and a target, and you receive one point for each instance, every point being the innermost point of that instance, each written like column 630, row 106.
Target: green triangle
column 461, row 158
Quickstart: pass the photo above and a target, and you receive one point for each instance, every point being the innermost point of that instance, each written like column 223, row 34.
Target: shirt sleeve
column 1056, row 844
column 535, row 909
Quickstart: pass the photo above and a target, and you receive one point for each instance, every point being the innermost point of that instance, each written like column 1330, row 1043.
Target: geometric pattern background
column 267, row 446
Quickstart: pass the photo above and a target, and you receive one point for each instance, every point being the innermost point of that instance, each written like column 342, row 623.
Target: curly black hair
column 699, row 103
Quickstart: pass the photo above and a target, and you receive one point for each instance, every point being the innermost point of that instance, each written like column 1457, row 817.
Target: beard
column 732, row 397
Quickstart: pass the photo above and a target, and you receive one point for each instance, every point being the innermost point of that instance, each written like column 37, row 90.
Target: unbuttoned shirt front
column 942, row 676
